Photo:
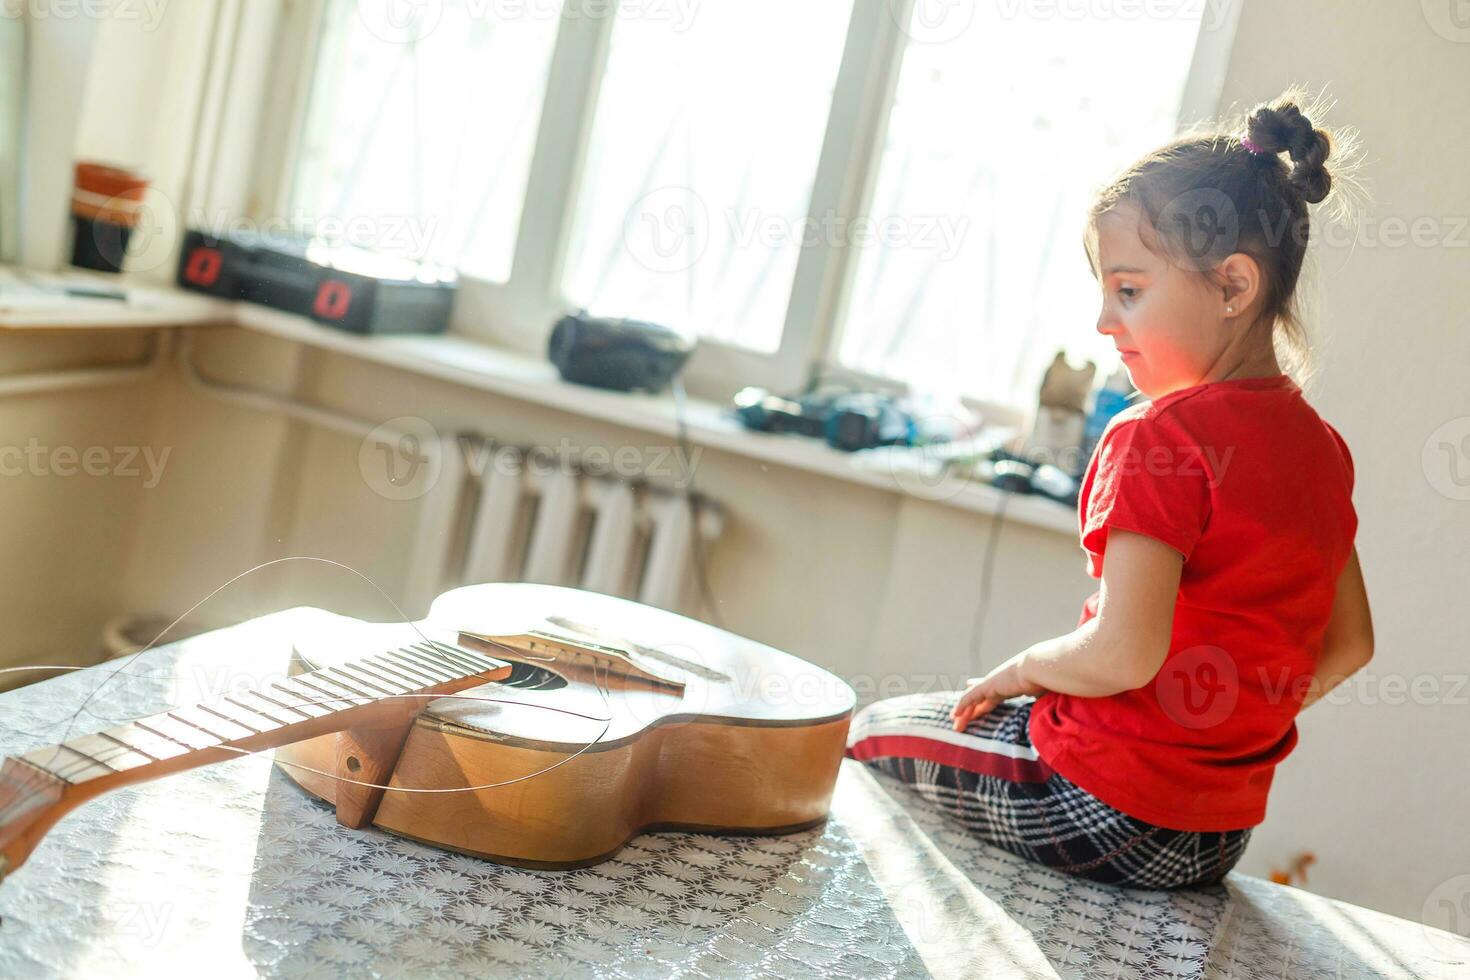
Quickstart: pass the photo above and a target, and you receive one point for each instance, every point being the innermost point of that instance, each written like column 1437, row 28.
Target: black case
column 340, row 286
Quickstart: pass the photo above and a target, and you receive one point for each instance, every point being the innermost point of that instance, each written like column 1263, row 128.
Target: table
column 233, row 871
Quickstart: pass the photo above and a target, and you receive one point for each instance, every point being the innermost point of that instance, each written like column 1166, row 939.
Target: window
column 700, row 167
column 421, row 125
column 995, row 141
column 891, row 189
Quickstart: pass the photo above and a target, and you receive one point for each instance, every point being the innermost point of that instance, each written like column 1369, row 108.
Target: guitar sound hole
column 532, row 677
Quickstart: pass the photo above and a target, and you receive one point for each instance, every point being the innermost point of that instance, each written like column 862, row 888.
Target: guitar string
column 599, row 683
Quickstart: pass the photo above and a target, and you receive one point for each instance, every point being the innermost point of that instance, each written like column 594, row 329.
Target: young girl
column 1230, row 596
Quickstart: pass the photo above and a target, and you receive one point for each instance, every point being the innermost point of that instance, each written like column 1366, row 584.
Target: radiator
column 491, row 518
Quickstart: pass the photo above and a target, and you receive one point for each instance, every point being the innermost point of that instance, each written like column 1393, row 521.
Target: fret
column 455, row 668
column 333, row 682
column 176, row 731
column 244, row 717
column 438, row 673
column 66, row 764
column 296, row 700
column 336, row 690
column 355, row 683
column 321, row 692
column 100, row 748
column 457, row 654
column 479, row 661
column 220, row 728
column 367, row 676
column 417, row 681
column 254, row 702
column 436, row 665
column 149, row 743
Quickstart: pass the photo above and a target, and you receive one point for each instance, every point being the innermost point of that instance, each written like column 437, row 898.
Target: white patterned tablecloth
column 232, row 871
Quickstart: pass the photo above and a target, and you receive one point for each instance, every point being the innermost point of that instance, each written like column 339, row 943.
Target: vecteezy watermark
column 1209, row 463
column 932, row 21
column 667, row 230
column 928, row 232
column 403, row 458
column 410, row 21
column 142, row 923
column 942, row 21
column 161, row 224
column 671, row 228
column 148, row 12
column 1447, row 910
column 1203, row 226
column 1198, row 687
column 1446, row 459
column 123, row 462
column 1450, row 19
column 409, row 235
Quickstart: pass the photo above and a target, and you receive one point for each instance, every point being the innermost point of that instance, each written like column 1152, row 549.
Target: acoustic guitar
column 531, row 725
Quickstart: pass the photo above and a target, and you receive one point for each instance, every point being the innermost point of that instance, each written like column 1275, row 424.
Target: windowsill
column 26, row 305
column 479, row 366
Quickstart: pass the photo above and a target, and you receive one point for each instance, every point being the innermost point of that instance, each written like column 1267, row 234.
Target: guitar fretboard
column 418, row 669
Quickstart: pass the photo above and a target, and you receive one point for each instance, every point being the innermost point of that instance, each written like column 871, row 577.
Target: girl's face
column 1166, row 321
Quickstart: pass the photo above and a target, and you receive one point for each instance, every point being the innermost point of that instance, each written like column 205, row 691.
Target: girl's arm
column 1347, row 644
column 1119, row 649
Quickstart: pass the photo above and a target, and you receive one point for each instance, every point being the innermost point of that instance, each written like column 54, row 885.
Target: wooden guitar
column 531, row 725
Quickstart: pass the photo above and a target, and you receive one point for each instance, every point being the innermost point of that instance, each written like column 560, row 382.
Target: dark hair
column 1206, row 196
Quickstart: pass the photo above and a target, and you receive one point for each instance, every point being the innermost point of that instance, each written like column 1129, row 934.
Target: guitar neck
column 39, row 787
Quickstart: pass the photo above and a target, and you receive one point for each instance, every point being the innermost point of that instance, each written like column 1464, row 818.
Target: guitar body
column 695, row 728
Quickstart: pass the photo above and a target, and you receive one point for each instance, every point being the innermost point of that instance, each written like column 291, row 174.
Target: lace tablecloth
column 232, row 871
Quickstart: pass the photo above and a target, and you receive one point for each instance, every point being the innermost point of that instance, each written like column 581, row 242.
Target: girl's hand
column 1006, row 681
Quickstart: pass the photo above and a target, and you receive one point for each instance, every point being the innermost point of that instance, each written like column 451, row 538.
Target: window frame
column 518, row 314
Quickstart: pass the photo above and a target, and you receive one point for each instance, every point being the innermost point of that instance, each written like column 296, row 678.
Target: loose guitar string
column 600, row 684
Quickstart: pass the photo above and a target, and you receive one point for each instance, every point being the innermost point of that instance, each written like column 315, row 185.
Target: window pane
column 701, row 162
column 421, row 126
column 976, row 273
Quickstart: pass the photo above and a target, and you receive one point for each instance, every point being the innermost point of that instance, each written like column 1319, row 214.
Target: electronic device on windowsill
column 340, row 286
column 846, row 420
column 621, row 354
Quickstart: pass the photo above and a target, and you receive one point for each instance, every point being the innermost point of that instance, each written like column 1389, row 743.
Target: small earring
column 1229, row 309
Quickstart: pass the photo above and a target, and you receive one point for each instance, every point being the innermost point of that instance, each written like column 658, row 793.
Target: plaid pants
column 991, row 778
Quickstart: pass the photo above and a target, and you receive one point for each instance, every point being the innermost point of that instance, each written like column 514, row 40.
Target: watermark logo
column 1204, row 224
column 1198, row 687
column 1447, row 910
column 400, row 21
column 400, row 459
column 1450, row 19
column 937, row 470
column 1446, row 459
column 667, row 230
column 933, row 21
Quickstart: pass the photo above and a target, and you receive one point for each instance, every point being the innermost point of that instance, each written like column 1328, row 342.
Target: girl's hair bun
column 1281, row 126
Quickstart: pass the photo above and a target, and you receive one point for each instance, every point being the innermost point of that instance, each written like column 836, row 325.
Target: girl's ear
column 1240, row 283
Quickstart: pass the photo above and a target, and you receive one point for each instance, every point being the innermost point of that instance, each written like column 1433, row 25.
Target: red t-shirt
column 1253, row 488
